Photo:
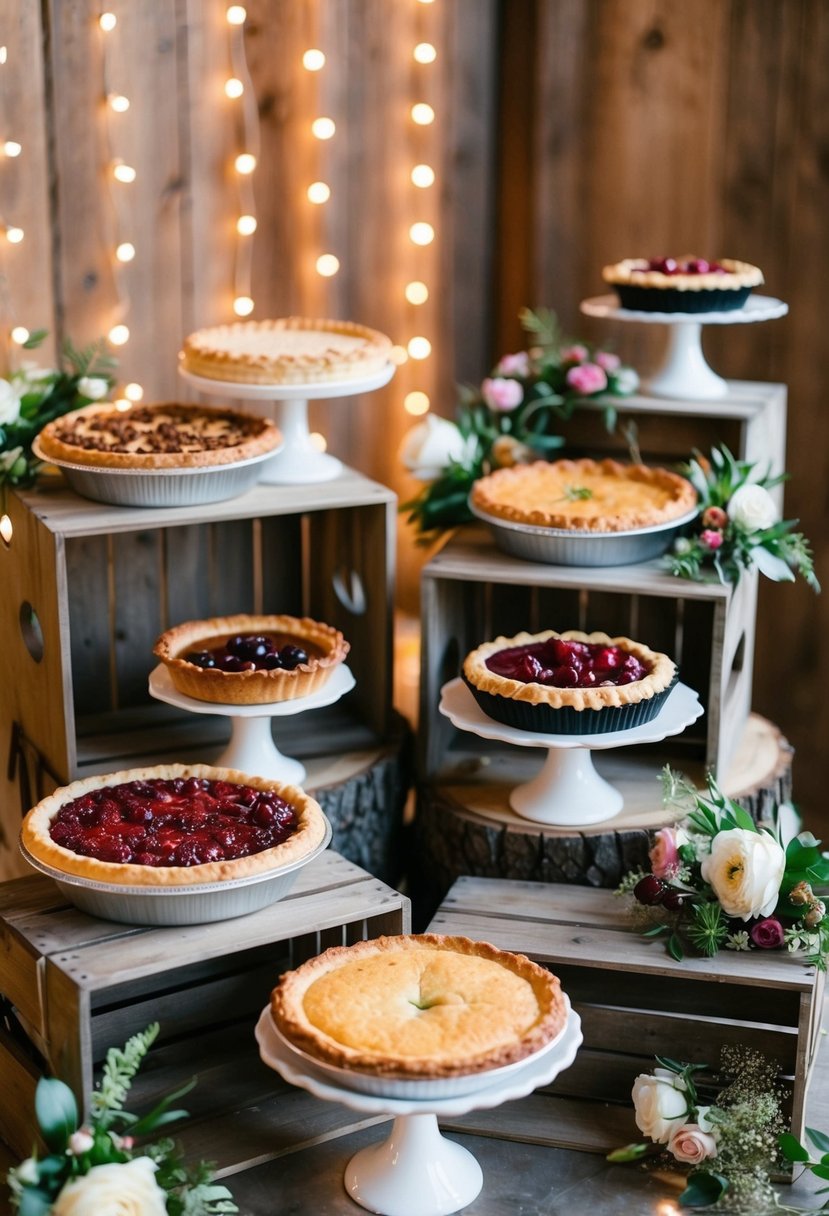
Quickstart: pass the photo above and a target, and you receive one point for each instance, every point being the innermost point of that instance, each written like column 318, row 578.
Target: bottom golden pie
column 420, row 1006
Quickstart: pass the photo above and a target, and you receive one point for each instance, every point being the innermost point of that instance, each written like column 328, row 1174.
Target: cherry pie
column 686, row 284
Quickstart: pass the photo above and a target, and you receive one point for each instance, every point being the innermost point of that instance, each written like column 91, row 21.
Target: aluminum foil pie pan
column 565, row 547
column 161, row 487
column 545, row 720
column 197, row 904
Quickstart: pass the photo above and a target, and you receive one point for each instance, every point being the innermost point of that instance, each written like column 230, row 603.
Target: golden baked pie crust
column 465, row 1021
column 250, row 687
column 339, row 350
column 635, row 272
column 34, row 832
column 661, row 671
column 245, row 435
column 622, row 497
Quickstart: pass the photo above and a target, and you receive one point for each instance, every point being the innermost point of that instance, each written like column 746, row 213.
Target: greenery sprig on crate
column 96, row 1167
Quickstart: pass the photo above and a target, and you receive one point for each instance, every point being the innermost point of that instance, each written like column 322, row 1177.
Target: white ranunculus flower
column 93, row 387
column 428, row 448
column 752, row 507
column 9, row 403
column 745, row 869
column 659, row 1105
column 127, row 1189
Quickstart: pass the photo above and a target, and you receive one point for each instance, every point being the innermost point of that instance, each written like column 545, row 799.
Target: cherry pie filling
column 253, row 652
column 672, row 266
column 560, row 663
column 183, row 821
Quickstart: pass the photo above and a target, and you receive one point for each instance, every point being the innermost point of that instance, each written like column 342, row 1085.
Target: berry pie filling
column 253, row 652
column 671, row 266
column 564, row 663
column 182, row 821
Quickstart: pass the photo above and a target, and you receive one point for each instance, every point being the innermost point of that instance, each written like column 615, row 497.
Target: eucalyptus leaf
column 703, row 1189
column 630, row 1152
column 791, row 1148
column 56, row 1111
column 34, row 1202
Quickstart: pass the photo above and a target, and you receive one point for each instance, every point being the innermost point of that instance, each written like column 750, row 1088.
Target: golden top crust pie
column 584, row 495
column 683, row 284
column 290, row 350
column 172, row 825
column 166, row 435
column 251, row 660
column 422, row 1006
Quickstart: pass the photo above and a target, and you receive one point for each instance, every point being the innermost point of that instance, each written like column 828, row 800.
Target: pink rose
column 574, row 354
column 587, row 378
column 663, row 854
column 607, row 360
column 514, row 365
column 711, row 539
column 767, row 934
column 500, row 394
column 689, row 1143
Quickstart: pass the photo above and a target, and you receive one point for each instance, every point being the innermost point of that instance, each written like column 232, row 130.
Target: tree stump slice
column 469, row 827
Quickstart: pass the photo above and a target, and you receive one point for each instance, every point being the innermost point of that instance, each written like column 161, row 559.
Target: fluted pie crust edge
column 289, row 1013
column 635, row 272
column 34, row 832
column 661, row 671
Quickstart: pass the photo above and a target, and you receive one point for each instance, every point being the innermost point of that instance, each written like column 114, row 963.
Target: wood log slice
column 469, row 827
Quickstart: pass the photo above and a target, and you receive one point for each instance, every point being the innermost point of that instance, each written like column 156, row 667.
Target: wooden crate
column 72, row 985
column 471, row 592
column 87, row 588
column 635, row 1002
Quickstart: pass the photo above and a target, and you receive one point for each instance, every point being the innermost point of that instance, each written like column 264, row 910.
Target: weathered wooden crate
column 72, row 985
column 471, row 592
column 635, row 1002
column 87, row 588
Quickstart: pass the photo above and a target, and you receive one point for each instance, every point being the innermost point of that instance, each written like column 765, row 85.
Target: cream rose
column 752, row 507
column 689, row 1143
column 93, row 387
column 114, row 1190
column 428, row 448
column 659, row 1105
column 745, row 869
column 9, row 403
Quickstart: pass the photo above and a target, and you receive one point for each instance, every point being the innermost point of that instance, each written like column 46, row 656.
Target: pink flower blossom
column 710, row 538
column 587, row 378
column 501, row 394
column 607, row 360
column 689, row 1143
column 514, row 365
column 767, row 934
column 574, row 354
column 663, row 854
column 714, row 517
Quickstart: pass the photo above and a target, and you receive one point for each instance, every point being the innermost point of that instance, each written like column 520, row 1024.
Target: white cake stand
column 251, row 748
column 298, row 462
column 568, row 792
column 685, row 375
column 416, row 1171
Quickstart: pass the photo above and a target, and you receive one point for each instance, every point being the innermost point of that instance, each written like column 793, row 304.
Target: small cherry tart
column 569, row 683
column 251, row 660
column 683, row 284
column 172, row 825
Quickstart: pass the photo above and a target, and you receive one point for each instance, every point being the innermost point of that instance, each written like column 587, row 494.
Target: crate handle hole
column 6, row 530
column 30, row 630
column 349, row 590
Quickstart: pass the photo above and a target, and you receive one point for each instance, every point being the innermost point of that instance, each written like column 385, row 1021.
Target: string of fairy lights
column 12, row 234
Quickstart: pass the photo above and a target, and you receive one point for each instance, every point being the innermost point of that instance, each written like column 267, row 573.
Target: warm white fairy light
column 416, row 292
column 421, row 233
column 118, row 102
column 245, row 163
column 327, row 265
column 4, row 54
column 318, row 441
column 234, row 88
column 246, row 225
column 423, row 176
column 420, row 348
column 14, row 235
column 119, row 335
column 133, row 391
column 416, row 402
column 324, row 128
column 424, row 52
column 107, row 22
column 123, row 172
column 125, row 252
column 20, row 334
column 119, row 173
column 318, row 192
column 239, row 87
column 398, row 355
column 243, row 306
column 236, row 14
column 123, row 404
column 422, row 113
column 313, row 60
column 6, row 529
column 12, row 148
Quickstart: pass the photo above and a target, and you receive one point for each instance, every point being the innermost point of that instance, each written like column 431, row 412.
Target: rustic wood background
column 568, row 133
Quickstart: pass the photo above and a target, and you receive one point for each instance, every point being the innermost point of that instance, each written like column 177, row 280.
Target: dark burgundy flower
column 767, row 934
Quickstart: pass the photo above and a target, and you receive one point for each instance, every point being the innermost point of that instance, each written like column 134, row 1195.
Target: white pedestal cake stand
column 568, row 792
column 298, row 462
column 684, row 374
column 416, row 1171
column 251, row 748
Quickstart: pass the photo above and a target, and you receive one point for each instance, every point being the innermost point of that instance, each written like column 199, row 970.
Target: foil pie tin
column 545, row 720
column 161, row 487
column 198, row 904
column 565, row 547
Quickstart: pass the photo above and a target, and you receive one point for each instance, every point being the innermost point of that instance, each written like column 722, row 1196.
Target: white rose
column 9, row 403
column 625, row 380
column 752, row 507
column 27, row 1172
column 659, row 1105
column 745, row 869
column 93, row 387
column 428, row 448
column 113, row 1190
column 689, row 1143
column 80, row 1142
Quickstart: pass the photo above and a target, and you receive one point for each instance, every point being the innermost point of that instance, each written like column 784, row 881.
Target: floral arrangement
column 95, row 1167
column 31, row 396
column 509, row 419
column 719, row 880
column 739, row 525
column 731, row 1143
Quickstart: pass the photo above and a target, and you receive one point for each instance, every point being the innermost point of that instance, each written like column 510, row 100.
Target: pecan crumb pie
column 685, row 284
column 584, row 495
column 251, row 660
column 290, row 350
column 569, row 683
column 172, row 825
column 421, row 1006
column 167, row 435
